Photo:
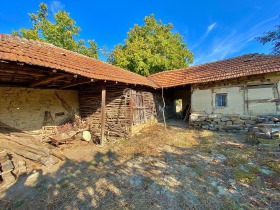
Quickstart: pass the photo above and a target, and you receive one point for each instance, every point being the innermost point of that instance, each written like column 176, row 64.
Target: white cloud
column 211, row 27
column 55, row 6
column 202, row 38
column 232, row 41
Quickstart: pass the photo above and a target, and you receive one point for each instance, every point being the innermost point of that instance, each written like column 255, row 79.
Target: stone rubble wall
column 24, row 108
column 231, row 123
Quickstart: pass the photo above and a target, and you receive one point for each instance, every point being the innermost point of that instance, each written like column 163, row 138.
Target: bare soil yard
column 175, row 168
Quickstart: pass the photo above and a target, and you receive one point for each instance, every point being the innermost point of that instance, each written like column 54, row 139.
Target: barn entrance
column 178, row 105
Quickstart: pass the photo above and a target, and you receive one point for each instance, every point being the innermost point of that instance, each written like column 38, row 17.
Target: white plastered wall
column 24, row 108
column 201, row 101
column 240, row 100
column 235, row 101
column 261, row 108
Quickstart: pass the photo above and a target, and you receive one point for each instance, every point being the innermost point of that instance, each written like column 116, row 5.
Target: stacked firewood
column 9, row 169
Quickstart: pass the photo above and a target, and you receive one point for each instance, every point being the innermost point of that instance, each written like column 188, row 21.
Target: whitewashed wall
column 251, row 99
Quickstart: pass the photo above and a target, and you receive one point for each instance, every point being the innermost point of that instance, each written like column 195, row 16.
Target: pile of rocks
column 231, row 123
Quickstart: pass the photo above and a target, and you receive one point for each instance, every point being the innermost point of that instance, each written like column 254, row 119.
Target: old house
column 230, row 94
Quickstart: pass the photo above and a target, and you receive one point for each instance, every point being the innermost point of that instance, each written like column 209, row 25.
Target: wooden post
column 163, row 111
column 103, row 110
column 144, row 107
column 131, row 109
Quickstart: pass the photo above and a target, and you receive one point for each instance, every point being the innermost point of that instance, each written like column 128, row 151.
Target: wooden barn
column 44, row 85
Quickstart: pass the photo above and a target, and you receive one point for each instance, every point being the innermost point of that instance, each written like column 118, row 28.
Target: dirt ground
column 177, row 168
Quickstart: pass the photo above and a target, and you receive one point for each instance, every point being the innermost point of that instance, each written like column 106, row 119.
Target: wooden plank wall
column 144, row 105
column 117, row 117
column 119, row 108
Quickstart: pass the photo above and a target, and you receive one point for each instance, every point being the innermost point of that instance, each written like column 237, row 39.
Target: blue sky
column 213, row 30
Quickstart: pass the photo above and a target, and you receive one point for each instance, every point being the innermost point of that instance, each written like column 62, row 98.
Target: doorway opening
column 179, row 108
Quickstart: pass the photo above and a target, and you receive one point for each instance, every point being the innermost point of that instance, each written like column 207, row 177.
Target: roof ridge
column 213, row 62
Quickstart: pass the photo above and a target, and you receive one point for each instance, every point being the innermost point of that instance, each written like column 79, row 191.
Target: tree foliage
column 152, row 48
column 274, row 38
column 61, row 33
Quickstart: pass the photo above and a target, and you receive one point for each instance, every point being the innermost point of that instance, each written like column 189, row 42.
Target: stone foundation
column 231, row 123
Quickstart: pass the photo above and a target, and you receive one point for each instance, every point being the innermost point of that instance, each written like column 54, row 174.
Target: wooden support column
column 103, row 110
column 276, row 95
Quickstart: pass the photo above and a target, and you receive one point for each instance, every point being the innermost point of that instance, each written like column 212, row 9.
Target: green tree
column 274, row 38
column 61, row 33
column 151, row 48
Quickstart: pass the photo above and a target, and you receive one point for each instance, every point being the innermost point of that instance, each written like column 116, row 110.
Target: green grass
column 246, row 177
column 18, row 204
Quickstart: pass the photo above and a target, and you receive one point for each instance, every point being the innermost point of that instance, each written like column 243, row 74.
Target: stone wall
column 231, row 123
column 24, row 108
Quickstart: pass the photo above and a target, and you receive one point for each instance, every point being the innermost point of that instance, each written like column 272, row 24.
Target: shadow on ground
column 177, row 178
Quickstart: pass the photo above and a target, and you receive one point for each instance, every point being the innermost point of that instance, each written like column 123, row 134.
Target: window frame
column 224, row 102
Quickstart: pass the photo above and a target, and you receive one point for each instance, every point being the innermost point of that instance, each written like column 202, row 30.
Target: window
column 221, row 100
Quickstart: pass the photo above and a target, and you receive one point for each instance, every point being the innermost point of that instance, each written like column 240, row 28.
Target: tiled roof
column 47, row 55
column 246, row 65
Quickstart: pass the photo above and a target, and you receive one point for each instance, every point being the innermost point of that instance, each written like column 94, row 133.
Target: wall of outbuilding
column 25, row 108
column 256, row 97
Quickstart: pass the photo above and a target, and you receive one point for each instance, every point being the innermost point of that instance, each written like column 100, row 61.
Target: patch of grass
column 65, row 182
column 207, row 141
column 226, row 152
column 275, row 166
column 18, row 204
column 199, row 170
column 230, row 203
column 249, row 151
column 41, row 185
column 236, row 161
column 246, row 177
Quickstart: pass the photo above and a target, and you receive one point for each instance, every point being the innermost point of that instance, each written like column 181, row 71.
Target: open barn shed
column 44, row 85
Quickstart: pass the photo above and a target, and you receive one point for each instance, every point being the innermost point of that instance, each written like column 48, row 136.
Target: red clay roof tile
column 47, row 55
column 246, row 65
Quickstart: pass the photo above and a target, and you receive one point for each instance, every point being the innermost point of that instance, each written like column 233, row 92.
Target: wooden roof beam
column 77, row 83
column 47, row 80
